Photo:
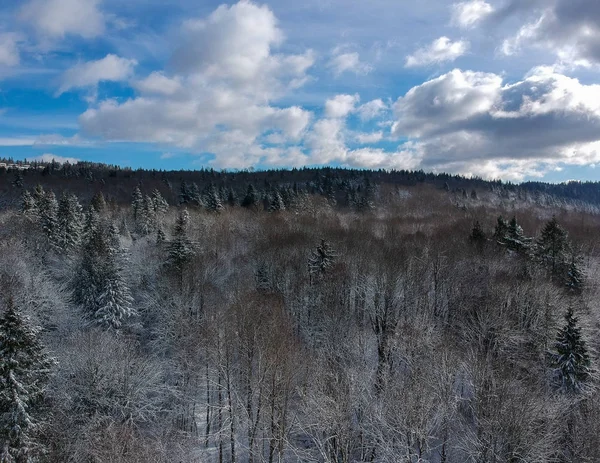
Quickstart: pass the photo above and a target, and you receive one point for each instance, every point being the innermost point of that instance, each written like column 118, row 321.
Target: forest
column 312, row 315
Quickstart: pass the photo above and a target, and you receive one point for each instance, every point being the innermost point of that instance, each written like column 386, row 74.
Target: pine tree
column 515, row 239
column 477, row 235
column 213, row 200
column 552, row 247
column 137, row 203
column 159, row 204
column 570, row 360
column 70, row 222
column 276, row 204
column 231, row 198
column 501, row 230
column 49, row 218
column 28, row 205
column 180, row 249
column 322, row 259
column 574, row 275
column 98, row 202
column 251, row 198
column 160, row 236
column 147, row 217
column 24, row 371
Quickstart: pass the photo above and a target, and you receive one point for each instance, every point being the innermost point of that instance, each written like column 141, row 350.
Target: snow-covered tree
column 276, row 204
column 98, row 202
column 515, row 239
column 24, row 371
column 159, row 204
column 552, row 247
column 180, row 249
column 477, row 235
column 574, row 274
column 49, row 218
column 28, row 205
column 213, row 200
column 570, row 360
column 137, row 203
column 321, row 259
column 501, row 230
column 70, row 221
column 231, row 197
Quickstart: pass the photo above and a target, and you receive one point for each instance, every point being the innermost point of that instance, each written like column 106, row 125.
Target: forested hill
column 347, row 186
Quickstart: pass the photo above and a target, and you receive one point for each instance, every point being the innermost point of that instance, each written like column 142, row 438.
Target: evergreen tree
column 515, row 238
column 231, row 198
column 147, row 217
column 213, row 200
column 24, row 371
column 574, row 275
column 552, row 247
column 477, row 235
column 159, row 204
column 570, row 359
column 137, row 203
column 185, row 194
column 251, row 199
column 276, row 204
column 91, row 224
column 98, row 202
column 160, row 236
column 28, row 205
column 501, row 230
column 49, row 218
column 322, row 259
column 180, row 249
column 70, row 222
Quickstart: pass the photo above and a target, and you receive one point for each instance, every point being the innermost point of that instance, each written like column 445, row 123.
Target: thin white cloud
column 439, row 51
column 110, row 68
column 372, row 109
column 469, row 14
column 341, row 105
column 159, row 84
column 9, row 51
column 49, row 157
column 368, row 138
column 348, row 62
column 57, row 18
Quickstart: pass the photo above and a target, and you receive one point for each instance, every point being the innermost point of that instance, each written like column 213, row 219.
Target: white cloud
column 341, row 105
column 469, row 14
column 49, row 157
column 17, row 141
column 471, row 123
column 159, row 84
column 348, row 62
column 367, row 138
column 57, row 18
column 439, row 51
column 568, row 28
column 371, row 110
column 110, row 68
column 9, row 52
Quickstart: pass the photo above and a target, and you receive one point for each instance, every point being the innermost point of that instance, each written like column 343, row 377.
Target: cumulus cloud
column 569, row 28
column 110, row 68
column 9, row 52
column 219, row 96
column 341, row 105
column 439, row 51
column 473, row 123
column 347, row 62
column 368, row 138
column 469, row 14
column 371, row 110
column 57, row 18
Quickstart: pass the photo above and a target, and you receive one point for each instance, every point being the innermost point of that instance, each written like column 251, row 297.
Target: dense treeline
column 347, row 186
column 262, row 323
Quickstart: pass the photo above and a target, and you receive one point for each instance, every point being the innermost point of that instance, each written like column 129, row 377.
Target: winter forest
column 314, row 315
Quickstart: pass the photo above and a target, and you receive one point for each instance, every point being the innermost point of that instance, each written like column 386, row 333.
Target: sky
column 501, row 89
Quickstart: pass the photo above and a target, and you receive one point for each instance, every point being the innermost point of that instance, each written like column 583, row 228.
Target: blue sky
column 496, row 88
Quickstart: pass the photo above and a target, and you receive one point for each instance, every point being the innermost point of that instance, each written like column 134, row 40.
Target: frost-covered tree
column 570, row 360
column 137, row 203
column 501, row 230
column 70, row 222
column 100, row 287
column 213, row 200
column 515, row 239
column 159, row 204
column 98, row 202
column 574, row 274
column 24, row 371
column 552, row 247
column 276, row 203
column 321, row 259
column 28, row 204
column 180, row 249
column 49, row 218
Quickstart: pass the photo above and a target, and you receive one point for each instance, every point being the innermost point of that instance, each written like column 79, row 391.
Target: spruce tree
column 276, row 204
column 28, row 205
column 213, row 200
column 24, row 371
column 574, row 277
column 570, row 359
column 98, row 202
column 552, row 247
column 231, row 198
column 180, row 249
column 251, row 199
column 477, row 235
column 515, row 239
column 501, row 230
column 49, row 218
column 137, row 203
column 70, row 222
column 321, row 259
